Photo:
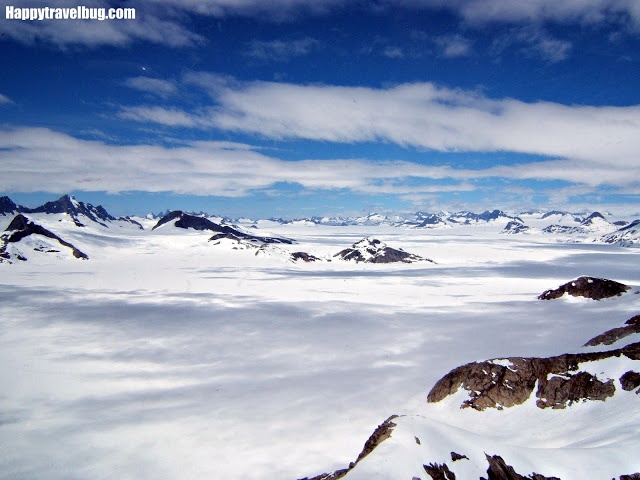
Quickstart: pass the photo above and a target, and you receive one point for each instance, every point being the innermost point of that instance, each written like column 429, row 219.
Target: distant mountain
column 372, row 250
column 558, row 213
column 430, row 220
column 186, row 221
column 69, row 205
column 626, row 236
column 486, row 216
column 515, row 226
column 21, row 228
column 7, row 207
column 78, row 211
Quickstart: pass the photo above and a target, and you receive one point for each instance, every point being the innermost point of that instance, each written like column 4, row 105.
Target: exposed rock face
column 611, row 336
column 557, row 229
column 499, row 470
column 588, row 287
column 7, row 206
column 186, row 221
column 372, row 250
column 457, row 456
column 430, row 220
column 626, row 236
column 304, row 256
column 507, row 382
column 21, row 227
column 514, row 227
column 380, row 434
column 68, row 204
column 439, row 472
column 630, row 380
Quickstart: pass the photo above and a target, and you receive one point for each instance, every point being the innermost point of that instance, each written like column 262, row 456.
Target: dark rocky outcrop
column 630, row 380
column 611, row 336
column 167, row 218
column 439, row 471
column 186, row 221
column 499, row 470
column 372, row 250
column 21, row 227
column 588, row 287
column 430, row 220
column 492, row 384
column 514, row 227
column 7, row 207
column 458, row 456
column 68, row 204
column 379, row 435
column 304, row 256
column 557, row 229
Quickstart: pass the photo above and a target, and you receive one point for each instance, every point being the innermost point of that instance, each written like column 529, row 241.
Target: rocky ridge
column 20, row 228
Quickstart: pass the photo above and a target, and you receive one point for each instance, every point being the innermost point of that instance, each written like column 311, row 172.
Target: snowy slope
column 166, row 356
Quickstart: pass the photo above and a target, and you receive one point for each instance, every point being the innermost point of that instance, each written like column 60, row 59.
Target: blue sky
column 295, row 108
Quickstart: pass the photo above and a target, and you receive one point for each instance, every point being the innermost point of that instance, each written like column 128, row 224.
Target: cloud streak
column 39, row 159
column 280, row 50
column 166, row 22
column 419, row 115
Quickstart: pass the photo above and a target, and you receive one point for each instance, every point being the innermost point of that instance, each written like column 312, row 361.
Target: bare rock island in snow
column 372, row 250
column 588, row 287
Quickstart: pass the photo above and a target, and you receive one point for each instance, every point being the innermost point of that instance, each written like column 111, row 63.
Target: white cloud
column 39, row 159
column 281, row 50
column 280, row 10
column 452, row 46
column 420, row 115
column 542, row 44
column 535, row 11
column 149, row 25
column 171, row 117
column 166, row 21
column 157, row 86
column 5, row 99
column 393, row 52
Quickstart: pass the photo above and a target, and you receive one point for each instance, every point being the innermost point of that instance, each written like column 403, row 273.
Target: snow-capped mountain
column 22, row 237
column 626, row 236
column 372, row 250
column 596, row 223
column 179, row 219
column 516, row 226
column 8, row 207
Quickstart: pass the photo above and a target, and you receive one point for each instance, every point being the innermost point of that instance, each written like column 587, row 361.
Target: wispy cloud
column 281, row 50
column 172, row 117
column 5, row 99
column 156, row 86
column 37, row 159
column 393, row 52
column 453, row 45
column 536, row 11
column 166, row 22
column 88, row 33
column 421, row 115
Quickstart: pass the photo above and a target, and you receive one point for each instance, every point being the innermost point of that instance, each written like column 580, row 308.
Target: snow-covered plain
column 166, row 357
